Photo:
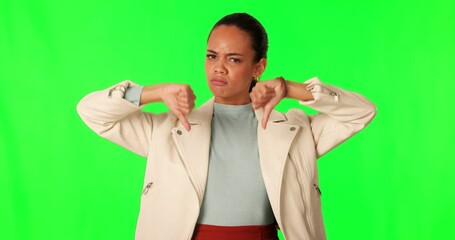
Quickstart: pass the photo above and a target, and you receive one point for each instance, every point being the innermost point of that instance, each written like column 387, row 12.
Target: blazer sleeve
column 341, row 114
column 133, row 94
column 116, row 118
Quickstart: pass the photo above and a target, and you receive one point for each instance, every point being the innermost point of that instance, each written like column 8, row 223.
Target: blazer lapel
column 274, row 143
column 194, row 146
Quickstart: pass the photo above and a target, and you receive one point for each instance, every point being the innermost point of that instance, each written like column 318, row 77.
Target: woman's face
column 229, row 65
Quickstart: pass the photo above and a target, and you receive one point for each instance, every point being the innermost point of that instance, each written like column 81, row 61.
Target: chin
column 218, row 92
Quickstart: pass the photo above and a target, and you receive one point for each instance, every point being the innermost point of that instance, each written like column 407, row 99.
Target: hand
column 179, row 98
column 268, row 94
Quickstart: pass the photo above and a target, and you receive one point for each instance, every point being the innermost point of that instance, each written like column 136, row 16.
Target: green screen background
column 59, row 180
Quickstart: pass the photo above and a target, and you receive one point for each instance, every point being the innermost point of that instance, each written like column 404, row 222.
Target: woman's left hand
column 268, row 94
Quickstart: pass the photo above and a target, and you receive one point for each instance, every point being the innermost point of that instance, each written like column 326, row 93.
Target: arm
column 111, row 115
column 178, row 97
column 141, row 95
column 341, row 114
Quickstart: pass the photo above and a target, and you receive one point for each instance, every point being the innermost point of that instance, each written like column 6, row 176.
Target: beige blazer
column 177, row 160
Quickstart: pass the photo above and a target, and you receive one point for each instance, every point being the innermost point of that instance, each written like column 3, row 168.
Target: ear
column 260, row 67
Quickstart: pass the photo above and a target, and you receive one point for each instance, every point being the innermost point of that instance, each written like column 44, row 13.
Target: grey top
column 235, row 193
column 133, row 94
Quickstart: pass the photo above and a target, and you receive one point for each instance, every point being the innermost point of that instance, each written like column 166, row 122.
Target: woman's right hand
column 179, row 98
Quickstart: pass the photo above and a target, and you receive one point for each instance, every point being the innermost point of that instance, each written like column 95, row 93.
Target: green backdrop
column 59, row 180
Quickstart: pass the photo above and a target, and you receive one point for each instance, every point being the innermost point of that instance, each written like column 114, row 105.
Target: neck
column 236, row 101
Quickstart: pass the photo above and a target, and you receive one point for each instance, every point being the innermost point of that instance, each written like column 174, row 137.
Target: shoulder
column 162, row 120
column 296, row 116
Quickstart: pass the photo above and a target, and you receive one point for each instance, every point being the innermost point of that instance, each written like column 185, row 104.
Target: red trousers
column 251, row 232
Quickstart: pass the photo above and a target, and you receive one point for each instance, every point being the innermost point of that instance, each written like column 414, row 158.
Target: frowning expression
column 230, row 65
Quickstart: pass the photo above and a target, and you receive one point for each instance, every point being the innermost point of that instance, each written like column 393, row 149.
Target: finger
column 186, row 104
column 268, row 96
column 186, row 101
column 254, row 100
column 264, row 90
column 261, row 102
column 191, row 106
column 184, row 121
column 185, row 88
column 258, row 103
column 269, row 93
column 255, row 104
column 184, row 110
column 183, row 104
column 183, row 97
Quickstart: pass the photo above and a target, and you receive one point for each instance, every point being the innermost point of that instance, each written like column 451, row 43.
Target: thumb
column 265, row 117
column 184, row 121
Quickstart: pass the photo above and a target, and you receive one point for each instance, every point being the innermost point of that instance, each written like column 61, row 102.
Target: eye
column 211, row 56
column 236, row 60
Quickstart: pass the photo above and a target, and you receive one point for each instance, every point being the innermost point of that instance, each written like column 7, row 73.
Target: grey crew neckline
column 219, row 108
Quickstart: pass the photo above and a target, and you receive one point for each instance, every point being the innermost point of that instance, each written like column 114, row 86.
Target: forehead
column 226, row 39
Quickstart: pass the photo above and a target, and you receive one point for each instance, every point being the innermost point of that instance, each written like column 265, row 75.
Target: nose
column 220, row 68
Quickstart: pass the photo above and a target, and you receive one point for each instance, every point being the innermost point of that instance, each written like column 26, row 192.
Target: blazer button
column 179, row 132
column 292, row 129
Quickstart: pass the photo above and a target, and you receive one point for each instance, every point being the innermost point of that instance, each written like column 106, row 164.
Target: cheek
column 242, row 72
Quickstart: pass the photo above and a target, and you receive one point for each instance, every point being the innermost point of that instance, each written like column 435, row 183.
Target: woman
column 216, row 172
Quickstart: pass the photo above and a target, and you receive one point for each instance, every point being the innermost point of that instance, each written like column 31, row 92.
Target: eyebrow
column 229, row 54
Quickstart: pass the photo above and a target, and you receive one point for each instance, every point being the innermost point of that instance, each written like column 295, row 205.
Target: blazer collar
column 274, row 143
column 204, row 114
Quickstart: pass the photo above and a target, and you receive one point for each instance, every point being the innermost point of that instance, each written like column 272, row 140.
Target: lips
column 218, row 81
